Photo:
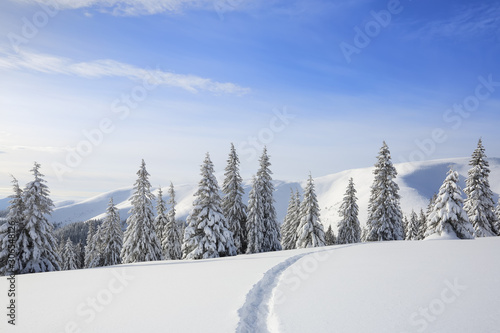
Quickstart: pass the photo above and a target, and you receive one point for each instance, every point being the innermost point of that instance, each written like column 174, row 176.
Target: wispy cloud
column 470, row 21
column 127, row 7
column 111, row 68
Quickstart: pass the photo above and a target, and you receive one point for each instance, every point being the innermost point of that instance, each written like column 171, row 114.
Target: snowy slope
column 418, row 182
column 431, row 286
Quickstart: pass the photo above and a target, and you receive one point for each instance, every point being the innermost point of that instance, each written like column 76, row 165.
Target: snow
column 367, row 287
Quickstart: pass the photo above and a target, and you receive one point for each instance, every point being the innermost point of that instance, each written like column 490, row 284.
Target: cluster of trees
column 219, row 226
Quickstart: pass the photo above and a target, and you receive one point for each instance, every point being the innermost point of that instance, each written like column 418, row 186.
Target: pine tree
column 349, row 230
column 9, row 232
column 330, row 236
column 174, row 231
column 160, row 221
column 448, row 216
column 422, row 225
column 291, row 222
column 80, row 255
column 479, row 204
column 36, row 243
column 232, row 203
column 412, row 232
column 310, row 232
column 255, row 224
column 497, row 213
column 69, row 257
column 272, row 237
column 206, row 235
column 385, row 219
column 89, row 246
column 140, row 242
column 406, row 223
column 112, row 237
column 96, row 248
column 430, row 206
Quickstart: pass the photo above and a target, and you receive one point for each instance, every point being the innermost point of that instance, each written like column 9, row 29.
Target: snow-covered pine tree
column 448, row 216
column 479, row 203
column 174, row 231
column 232, row 203
column 206, row 235
column 69, row 256
column 89, row 246
column 112, row 236
column 161, row 217
column 310, row 232
column 497, row 213
column 272, row 236
column 9, row 232
column 36, row 243
column 412, row 231
column 291, row 222
column 330, row 236
column 255, row 224
column 349, row 230
column 430, row 206
column 406, row 223
column 96, row 248
column 385, row 219
column 140, row 242
column 422, row 225
column 80, row 255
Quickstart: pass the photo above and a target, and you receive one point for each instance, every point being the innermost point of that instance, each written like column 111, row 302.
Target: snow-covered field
column 398, row 286
column 417, row 181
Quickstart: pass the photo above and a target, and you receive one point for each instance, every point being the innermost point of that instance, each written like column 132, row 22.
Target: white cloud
column 111, row 68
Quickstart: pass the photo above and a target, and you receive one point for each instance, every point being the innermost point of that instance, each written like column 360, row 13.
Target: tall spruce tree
column 112, row 236
column 272, row 236
column 96, row 248
column 412, row 232
column 349, row 230
column 140, row 242
column 161, row 218
column 330, row 238
column 232, row 202
column 311, row 232
column 479, row 203
column 174, row 232
column 206, row 235
column 291, row 222
column 36, row 243
column 9, row 232
column 385, row 219
column 69, row 260
column 422, row 225
column 255, row 224
column 89, row 245
column 497, row 213
column 448, row 216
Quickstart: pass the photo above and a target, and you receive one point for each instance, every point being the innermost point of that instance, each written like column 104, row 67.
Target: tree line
column 220, row 226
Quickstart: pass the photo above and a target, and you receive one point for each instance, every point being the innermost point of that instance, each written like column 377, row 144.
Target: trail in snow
column 254, row 312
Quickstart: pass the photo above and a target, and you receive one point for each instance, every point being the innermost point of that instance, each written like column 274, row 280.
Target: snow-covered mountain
column 417, row 181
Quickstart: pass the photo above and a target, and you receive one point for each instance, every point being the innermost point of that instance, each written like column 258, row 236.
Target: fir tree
column 292, row 221
column 206, row 235
column 430, row 206
column 36, row 243
column 422, row 225
column 232, row 203
column 448, row 216
column 412, row 232
column 272, row 237
column 349, row 230
column 69, row 256
column 112, row 237
column 255, row 224
column 96, row 248
column 479, row 204
column 406, row 223
column 9, row 232
column 330, row 238
column 174, row 231
column 497, row 213
column 310, row 232
column 80, row 255
column 161, row 218
column 385, row 220
column 140, row 242
column 89, row 247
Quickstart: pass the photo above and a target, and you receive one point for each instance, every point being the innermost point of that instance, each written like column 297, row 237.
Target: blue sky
column 90, row 87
